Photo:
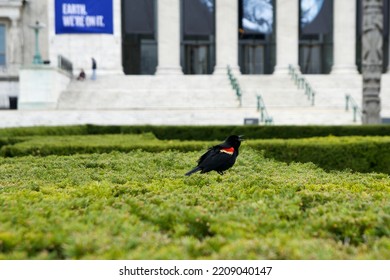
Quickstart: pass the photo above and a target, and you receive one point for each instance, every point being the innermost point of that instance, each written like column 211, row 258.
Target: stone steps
column 291, row 116
column 138, row 92
column 287, row 104
column 133, row 99
column 146, row 82
column 201, row 100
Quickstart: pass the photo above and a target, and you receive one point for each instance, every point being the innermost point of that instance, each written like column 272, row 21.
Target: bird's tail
column 193, row 171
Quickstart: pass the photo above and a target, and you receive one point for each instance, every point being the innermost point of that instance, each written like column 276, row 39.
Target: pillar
column 168, row 19
column 344, row 37
column 287, row 32
column 388, row 43
column 226, row 36
column 15, row 49
column 372, row 58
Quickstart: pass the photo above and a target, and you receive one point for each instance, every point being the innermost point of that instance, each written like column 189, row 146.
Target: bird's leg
column 220, row 172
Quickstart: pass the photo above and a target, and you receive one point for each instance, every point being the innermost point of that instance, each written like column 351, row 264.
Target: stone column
column 388, row 49
column 168, row 22
column 226, row 36
column 344, row 37
column 287, row 32
column 372, row 58
column 15, row 46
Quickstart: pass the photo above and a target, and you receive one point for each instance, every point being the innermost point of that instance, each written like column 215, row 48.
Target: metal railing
column 65, row 64
column 264, row 116
column 235, row 85
column 350, row 102
column 302, row 83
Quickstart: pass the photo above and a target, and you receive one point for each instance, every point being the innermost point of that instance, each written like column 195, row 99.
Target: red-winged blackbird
column 220, row 157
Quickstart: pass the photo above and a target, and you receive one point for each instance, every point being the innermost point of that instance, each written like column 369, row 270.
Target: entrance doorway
column 256, row 57
column 139, row 44
column 315, row 36
column 197, row 59
column 252, row 59
column 256, row 36
column 197, row 55
column 315, row 54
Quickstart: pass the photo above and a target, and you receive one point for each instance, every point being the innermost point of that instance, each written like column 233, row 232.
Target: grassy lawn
column 137, row 204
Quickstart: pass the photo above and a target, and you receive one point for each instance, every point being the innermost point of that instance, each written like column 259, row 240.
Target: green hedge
column 44, row 130
column 140, row 205
column 250, row 132
column 89, row 144
column 205, row 133
column 363, row 154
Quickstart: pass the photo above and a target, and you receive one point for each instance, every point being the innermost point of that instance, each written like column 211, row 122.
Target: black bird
column 220, row 157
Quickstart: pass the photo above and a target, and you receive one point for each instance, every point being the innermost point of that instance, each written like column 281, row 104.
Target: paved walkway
column 122, row 100
column 15, row 118
column 234, row 116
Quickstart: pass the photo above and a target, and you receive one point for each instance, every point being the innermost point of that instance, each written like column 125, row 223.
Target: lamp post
column 37, row 56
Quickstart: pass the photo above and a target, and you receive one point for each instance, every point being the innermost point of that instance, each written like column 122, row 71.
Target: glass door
column 316, row 36
column 139, row 44
column 310, row 57
column 252, row 59
column 197, row 60
column 197, row 49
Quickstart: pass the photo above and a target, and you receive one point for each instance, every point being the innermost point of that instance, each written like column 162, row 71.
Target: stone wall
column 80, row 48
column 41, row 86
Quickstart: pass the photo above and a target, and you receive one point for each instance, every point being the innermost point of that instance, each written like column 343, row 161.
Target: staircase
column 200, row 100
column 209, row 99
column 170, row 100
column 289, row 105
column 149, row 92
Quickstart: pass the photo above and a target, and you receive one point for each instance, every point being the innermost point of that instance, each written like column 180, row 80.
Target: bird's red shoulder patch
column 229, row 151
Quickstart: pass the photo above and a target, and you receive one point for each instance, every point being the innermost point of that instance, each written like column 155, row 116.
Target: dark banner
column 316, row 16
column 83, row 16
column 198, row 17
column 139, row 16
column 257, row 16
column 386, row 7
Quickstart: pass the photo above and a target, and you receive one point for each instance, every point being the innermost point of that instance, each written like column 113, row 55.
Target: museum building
column 184, row 37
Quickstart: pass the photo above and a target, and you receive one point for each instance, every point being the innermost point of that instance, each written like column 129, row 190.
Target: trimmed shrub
column 43, row 130
column 139, row 205
column 89, row 144
column 208, row 133
column 363, row 154
column 205, row 133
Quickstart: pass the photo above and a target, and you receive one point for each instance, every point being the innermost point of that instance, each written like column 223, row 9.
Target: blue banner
column 83, row 16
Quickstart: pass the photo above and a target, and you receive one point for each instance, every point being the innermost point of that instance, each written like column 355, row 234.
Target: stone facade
column 106, row 48
column 17, row 15
column 79, row 48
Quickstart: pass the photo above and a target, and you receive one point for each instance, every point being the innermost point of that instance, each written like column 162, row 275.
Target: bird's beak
column 240, row 137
